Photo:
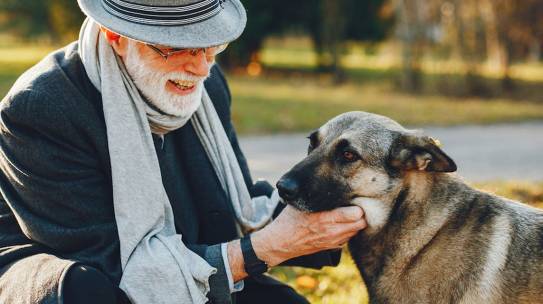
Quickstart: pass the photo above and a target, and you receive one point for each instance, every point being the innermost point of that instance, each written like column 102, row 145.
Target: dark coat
column 55, row 174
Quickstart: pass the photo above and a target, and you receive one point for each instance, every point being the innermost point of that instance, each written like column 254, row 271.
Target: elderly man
column 121, row 175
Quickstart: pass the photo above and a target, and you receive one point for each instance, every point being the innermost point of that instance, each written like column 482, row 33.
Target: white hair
column 152, row 85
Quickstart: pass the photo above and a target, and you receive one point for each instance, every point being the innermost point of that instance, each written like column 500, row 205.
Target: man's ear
column 421, row 153
column 117, row 42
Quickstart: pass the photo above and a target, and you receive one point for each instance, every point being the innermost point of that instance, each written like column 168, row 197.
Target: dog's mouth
column 303, row 205
column 299, row 204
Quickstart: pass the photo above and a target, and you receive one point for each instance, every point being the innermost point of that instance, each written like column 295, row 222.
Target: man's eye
column 171, row 50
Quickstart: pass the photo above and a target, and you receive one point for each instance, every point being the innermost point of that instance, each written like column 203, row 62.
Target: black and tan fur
column 430, row 238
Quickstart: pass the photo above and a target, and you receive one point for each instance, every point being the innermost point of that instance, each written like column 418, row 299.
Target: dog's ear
column 421, row 153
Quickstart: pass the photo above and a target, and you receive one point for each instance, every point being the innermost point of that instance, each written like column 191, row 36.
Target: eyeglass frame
column 192, row 51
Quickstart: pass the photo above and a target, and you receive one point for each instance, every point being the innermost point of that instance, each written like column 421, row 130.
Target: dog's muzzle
column 288, row 189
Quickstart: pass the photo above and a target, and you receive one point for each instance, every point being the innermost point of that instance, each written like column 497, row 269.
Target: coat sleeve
column 54, row 182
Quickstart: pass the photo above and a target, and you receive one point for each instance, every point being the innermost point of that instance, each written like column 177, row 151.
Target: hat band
column 163, row 15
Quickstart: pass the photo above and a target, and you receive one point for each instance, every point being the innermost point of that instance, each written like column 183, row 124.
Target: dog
column 430, row 237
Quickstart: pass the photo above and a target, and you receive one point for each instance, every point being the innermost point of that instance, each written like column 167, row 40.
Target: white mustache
column 184, row 77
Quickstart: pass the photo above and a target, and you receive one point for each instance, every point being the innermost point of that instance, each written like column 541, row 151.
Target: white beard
column 152, row 85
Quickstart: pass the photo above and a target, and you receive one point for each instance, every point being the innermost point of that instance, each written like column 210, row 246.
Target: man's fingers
column 352, row 228
column 348, row 214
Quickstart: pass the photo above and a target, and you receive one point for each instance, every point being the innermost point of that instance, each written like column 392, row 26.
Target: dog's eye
column 349, row 156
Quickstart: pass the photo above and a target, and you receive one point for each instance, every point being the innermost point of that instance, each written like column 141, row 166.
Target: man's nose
column 288, row 188
column 198, row 64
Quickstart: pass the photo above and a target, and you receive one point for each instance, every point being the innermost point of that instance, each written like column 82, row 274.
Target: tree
column 25, row 18
column 334, row 30
column 339, row 21
column 520, row 29
column 470, row 42
column 329, row 23
column 58, row 20
column 65, row 18
column 264, row 18
column 410, row 31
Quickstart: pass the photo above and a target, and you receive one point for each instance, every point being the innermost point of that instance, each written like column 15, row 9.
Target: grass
column 297, row 52
column 334, row 285
column 343, row 285
column 291, row 97
column 275, row 105
column 15, row 60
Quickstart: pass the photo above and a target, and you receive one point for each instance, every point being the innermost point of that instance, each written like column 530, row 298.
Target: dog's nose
column 288, row 189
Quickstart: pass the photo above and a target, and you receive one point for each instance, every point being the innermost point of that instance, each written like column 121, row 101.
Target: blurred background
column 470, row 71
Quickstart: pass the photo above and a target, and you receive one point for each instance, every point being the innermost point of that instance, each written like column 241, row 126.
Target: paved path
column 505, row 151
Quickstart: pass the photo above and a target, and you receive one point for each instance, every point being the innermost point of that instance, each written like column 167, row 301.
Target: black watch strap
column 253, row 265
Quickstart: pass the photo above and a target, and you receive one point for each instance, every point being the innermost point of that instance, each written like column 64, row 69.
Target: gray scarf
column 157, row 266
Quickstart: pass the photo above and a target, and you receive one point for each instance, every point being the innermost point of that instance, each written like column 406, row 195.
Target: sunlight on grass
column 277, row 105
column 302, row 100
column 293, row 52
column 334, row 285
column 343, row 284
column 526, row 192
column 15, row 60
column 23, row 54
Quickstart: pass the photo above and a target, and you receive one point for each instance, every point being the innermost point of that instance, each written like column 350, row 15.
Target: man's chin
column 176, row 105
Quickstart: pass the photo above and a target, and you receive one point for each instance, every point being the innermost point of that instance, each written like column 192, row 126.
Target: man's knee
column 84, row 284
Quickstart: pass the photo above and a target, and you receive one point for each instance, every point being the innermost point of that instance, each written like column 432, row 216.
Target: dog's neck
column 419, row 185
column 415, row 187
column 414, row 220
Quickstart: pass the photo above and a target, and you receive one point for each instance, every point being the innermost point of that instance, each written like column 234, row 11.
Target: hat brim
column 222, row 28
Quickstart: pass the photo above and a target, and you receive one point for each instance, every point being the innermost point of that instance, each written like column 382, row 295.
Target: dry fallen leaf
column 306, row 281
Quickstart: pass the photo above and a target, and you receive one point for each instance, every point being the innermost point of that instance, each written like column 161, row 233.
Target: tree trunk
column 493, row 48
column 333, row 36
column 410, row 33
column 468, row 44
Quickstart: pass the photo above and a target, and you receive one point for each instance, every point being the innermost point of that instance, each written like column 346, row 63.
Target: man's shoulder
column 57, row 84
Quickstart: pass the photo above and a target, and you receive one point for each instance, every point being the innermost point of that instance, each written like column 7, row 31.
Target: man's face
column 174, row 85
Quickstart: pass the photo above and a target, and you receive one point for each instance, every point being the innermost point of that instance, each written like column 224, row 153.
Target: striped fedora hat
column 175, row 23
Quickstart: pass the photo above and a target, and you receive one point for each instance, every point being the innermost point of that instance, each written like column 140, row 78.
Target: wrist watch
column 253, row 265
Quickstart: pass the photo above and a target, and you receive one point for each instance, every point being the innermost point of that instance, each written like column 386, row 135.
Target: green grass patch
column 526, row 192
column 333, row 285
column 298, row 100
column 277, row 104
column 297, row 52
column 343, row 284
column 15, row 60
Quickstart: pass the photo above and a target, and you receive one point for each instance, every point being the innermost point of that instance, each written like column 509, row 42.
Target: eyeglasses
column 166, row 52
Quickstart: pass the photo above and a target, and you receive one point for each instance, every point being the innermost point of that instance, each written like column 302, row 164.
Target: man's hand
column 295, row 233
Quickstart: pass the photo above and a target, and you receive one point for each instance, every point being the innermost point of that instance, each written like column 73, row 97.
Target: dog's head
column 360, row 158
